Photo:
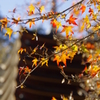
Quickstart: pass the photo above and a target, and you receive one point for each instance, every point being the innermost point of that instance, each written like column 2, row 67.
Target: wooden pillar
column 9, row 59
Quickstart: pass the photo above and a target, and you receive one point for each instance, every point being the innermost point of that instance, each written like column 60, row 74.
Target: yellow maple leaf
column 31, row 9
column 21, row 50
column 95, row 28
column 42, row 9
column 94, row 16
column 87, row 22
column 60, row 47
column 82, row 27
column 67, row 29
column 8, row 32
column 44, row 61
column 58, row 25
column 34, row 50
column 98, row 7
column 63, row 97
column 76, row 11
column 35, row 60
column 71, row 55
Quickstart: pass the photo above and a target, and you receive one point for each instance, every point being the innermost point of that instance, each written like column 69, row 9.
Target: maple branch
column 46, row 15
column 28, row 75
column 80, row 40
column 72, row 6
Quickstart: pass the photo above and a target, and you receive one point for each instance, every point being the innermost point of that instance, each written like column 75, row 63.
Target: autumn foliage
column 80, row 23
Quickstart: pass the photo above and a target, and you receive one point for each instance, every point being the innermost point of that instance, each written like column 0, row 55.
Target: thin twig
column 28, row 75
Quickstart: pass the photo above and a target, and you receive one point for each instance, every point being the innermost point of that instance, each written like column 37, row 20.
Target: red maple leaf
column 71, row 20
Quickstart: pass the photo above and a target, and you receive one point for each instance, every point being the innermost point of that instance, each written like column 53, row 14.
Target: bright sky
column 9, row 5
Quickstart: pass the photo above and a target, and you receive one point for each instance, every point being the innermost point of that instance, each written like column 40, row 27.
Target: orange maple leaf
column 57, row 59
column 63, row 58
column 83, row 8
column 4, row 23
column 85, row 70
column 53, row 98
column 26, row 70
column 71, row 20
column 31, row 23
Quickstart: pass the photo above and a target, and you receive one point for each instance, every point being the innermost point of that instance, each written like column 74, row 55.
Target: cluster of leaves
column 84, row 17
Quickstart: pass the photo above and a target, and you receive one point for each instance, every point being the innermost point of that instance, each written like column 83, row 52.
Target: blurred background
column 44, row 82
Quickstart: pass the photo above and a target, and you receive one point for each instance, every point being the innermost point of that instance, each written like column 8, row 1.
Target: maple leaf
column 94, row 16
column 21, row 69
column 44, row 61
column 83, row 8
column 9, row 32
column 60, row 47
column 54, row 22
column 64, row 57
column 34, row 50
column 4, row 23
column 31, row 9
column 76, row 11
column 71, row 20
column 67, row 29
column 53, row 98
column 58, row 25
column 57, row 48
column 27, row 70
column 95, row 28
column 15, row 21
column 90, row 11
column 75, row 48
column 31, row 22
column 89, row 58
column 21, row 50
column 82, row 27
column 86, row 20
column 63, row 97
column 14, row 10
column 35, row 60
column 63, row 16
column 71, row 55
column 57, row 59
column 85, row 70
column 93, row 70
column 34, row 36
column 98, row 7
column 41, row 9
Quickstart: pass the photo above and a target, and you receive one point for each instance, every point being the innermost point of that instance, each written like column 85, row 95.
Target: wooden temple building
column 45, row 82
